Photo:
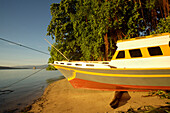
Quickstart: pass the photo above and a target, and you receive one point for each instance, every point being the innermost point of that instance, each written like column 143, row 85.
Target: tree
column 98, row 25
column 89, row 29
column 62, row 29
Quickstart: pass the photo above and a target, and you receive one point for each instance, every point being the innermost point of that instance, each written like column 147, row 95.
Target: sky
column 24, row 22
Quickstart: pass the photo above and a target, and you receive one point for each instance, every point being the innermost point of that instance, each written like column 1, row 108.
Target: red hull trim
column 79, row 83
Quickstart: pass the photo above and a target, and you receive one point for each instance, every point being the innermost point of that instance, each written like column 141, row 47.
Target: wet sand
column 61, row 97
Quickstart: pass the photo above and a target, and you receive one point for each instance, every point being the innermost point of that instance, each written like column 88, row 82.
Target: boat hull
column 79, row 83
column 117, row 79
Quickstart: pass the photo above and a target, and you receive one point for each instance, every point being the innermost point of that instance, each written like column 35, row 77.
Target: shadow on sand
column 120, row 99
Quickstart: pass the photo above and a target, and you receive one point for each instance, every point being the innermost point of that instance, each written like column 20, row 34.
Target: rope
column 6, row 92
column 57, row 50
column 23, row 46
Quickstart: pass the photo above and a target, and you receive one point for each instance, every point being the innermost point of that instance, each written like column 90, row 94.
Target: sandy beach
column 61, row 97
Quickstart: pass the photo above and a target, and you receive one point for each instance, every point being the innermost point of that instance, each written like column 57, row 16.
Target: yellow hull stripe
column 73, row 76
column 106, row 74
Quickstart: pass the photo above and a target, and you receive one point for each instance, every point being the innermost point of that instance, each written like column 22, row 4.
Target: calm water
column 25, row 91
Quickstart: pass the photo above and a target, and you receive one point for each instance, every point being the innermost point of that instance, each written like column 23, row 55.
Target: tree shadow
column 120, row 99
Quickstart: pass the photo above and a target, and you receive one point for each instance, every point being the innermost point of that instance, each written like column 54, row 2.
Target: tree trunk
column 106, row 42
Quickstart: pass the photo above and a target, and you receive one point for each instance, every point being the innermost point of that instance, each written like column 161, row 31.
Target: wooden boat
column 138, row 64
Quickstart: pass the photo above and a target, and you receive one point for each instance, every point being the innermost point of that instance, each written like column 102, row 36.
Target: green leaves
column 150, row 4
column 89, row 29
column 163, row 26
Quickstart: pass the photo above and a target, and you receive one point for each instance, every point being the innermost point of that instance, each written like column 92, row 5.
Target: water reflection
column 23, row 93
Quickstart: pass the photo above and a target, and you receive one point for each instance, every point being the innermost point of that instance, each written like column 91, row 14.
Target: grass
column 161, row 94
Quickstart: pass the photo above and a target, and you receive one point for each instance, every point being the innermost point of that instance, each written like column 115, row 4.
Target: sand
column 61, row 97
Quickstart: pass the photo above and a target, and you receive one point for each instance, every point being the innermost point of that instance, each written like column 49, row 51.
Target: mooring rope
column 23, row 46
column 57, row 50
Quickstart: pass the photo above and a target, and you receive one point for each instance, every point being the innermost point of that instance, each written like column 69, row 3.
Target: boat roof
column 146, row 41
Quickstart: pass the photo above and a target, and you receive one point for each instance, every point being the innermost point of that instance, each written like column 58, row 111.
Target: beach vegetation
column 50, row 67
column 152, row 109
column 159, row 93
column 148, row 109
column 89, row 29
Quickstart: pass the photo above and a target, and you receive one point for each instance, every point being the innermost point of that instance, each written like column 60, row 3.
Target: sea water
column 22, row 92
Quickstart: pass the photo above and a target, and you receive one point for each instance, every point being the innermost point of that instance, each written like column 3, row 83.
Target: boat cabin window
column 121, row 54
column 153, row 51
column 62, row 63
column 135, row 53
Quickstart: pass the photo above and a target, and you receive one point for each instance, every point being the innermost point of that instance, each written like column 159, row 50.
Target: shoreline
column 61, row 97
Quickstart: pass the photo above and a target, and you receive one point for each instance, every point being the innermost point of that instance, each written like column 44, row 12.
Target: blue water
column 23, row 93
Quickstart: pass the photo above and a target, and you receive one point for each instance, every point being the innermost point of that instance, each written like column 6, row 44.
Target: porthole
column 69, row 64
column 105, row 62
column 78, row 64
column 89, row 64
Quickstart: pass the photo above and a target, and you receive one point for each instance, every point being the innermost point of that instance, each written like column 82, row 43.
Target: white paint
column 146, row 42
column 150, row 62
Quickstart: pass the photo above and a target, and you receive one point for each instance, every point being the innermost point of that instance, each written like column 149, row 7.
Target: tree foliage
column 163, row 26
column 89, row 29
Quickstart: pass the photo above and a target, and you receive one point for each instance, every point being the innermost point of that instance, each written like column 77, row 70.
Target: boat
column 139, row 64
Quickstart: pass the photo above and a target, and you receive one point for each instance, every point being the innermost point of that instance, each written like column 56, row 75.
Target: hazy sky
column 25, row 22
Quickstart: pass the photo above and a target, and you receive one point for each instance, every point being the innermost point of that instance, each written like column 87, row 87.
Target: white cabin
column 143, row 52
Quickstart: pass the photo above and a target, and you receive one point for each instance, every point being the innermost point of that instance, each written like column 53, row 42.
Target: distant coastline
column 4, row 67
column 24, row 67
